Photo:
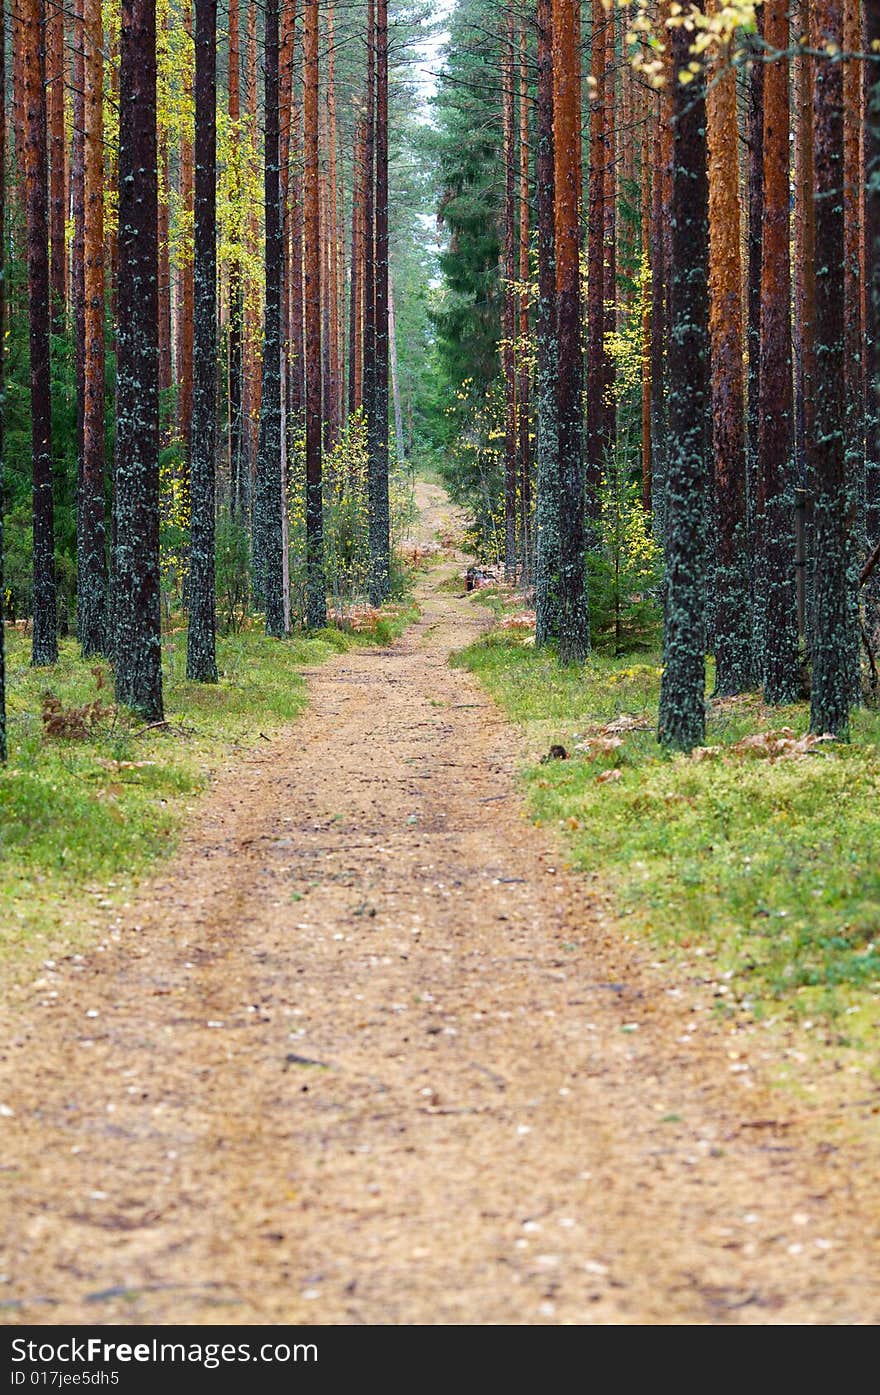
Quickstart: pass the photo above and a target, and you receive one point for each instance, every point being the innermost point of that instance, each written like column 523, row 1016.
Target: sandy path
column 515, row 1118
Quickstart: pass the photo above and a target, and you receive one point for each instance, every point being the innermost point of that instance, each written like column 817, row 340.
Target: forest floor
column 366, row 1052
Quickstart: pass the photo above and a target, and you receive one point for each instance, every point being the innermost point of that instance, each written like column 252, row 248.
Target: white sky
column 428, row 51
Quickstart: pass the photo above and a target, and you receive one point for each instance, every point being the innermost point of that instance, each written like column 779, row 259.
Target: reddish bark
column 54, row 39
column 380, row 522
column 333, row 407
column 77, row 201
column 732, row 619
column 775, row 502
column 597, row 439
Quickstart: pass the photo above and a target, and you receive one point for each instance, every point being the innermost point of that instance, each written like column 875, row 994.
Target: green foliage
column 625, row 570
column 346, row 519
column 766, row 866
column 466, row 147
column 473, row 467
column 232, row 571
column 174, row 506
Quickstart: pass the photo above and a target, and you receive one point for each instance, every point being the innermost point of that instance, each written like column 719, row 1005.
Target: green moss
column 771, row 867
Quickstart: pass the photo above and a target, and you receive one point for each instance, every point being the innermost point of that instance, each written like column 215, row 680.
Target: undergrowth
column 91, row 797
column 761, row 858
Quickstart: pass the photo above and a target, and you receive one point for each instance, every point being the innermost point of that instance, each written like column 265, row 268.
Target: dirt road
column 366, row 1053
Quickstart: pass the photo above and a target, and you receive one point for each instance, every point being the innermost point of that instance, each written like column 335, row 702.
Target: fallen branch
column 871, row 563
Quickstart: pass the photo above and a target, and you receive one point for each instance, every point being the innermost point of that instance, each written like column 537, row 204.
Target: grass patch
column 82, row 821
column 768, row 867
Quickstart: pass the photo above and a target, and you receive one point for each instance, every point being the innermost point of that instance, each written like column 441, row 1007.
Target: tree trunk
column 92, row 558
column 509, row 278
column 380, row 514
column 831, row 685
column 777, row 593
column 547, row 502
column 682, row 689
column 369, row 240
column 609, row 249
column 138, row 638
column 804, row 277
column 597, row 422
column 55, row 111
column 201, row 645
column 395, row 376
column 333, row 410
column 659, row 317
column 285, row 135
column 755, row 127
column 295, row 263
column 252, row 300
column 111, row 225
column 77, row 258
column 853, row 336
column 871, row 186
column 185, row 273
column 355, row 322
column 733, row 660
column 522, row 380
column 316, row 596
column 3, row 745
column 268, row 526
column 574, row 620
column 166, row 368
column 237, row 493
column 646, row 209
column 45, row 636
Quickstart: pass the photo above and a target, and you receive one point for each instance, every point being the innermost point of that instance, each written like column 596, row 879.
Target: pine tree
column 832, row 533
column 45, row 636
column 316, row 596
column 380, row 523
column 137, row 637
column 54, row 47
column 3, row 744
column 547, row 501
column 732, row 643
column 871, row 187
column 776, row 582
column 574, row 621
column 523, row 386
column 682, row 690
column 237, row 486
column 201, row 648
column 92, row 539
column 268, row 525
column 597, row 421
column 509, row 278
